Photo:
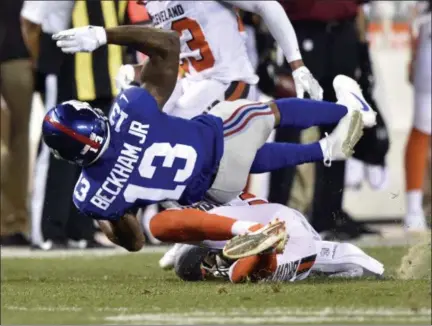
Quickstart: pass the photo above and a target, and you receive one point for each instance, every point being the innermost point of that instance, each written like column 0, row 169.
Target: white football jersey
column 211, row 36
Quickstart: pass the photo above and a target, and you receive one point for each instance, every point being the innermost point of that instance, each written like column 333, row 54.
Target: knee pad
column 187, row 264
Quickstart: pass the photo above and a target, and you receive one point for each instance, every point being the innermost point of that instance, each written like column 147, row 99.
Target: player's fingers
column 63, row 35
column 67, row 43
column 317, row 92
column 321, row 93
column 299, row 91
column 71, row 50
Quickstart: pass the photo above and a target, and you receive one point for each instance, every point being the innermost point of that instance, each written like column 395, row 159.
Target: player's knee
column 188, row 263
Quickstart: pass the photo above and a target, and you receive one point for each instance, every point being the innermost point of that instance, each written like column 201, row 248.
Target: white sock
column 414, row 218
column 241, row 227
column 414, row 201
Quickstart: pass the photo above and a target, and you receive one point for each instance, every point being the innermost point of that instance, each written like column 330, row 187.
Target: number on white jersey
column 196, row 42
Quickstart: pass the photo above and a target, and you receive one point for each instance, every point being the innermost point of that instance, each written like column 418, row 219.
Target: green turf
column 82, row 290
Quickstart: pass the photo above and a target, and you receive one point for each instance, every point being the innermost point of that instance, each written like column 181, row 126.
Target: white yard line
column 278, row 316
column 28, row 253
column 64, row 309
column 245, row 316
column 266, row 320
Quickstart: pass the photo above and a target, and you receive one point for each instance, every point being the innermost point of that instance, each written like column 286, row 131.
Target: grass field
column 131, row 289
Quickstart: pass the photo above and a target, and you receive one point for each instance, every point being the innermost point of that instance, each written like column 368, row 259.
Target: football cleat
column 349, row 94
column 339, row 145
column 254, row 243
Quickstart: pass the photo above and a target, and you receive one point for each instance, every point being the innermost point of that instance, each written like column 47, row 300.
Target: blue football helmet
column 76, row 132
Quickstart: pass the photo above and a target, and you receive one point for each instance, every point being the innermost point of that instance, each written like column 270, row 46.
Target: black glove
column 365, row 76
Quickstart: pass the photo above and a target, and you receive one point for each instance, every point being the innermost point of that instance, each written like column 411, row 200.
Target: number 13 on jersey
column 147, row 170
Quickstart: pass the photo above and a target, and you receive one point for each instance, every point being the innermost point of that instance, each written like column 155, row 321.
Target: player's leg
column 338, row 259
column 241, row 210
column 336, row 146
column 192, row 226
column 245, row 199
column 298, row 255
column 300, row 113
column 416, row 155
column 293, row 264
column 248, row 125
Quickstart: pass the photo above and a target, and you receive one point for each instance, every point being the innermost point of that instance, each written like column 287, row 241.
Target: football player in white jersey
column 213, row 55
column 304, row 252
column 418, row 145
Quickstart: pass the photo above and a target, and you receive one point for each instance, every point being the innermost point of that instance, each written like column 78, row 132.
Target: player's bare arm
column 162, row 47
column 126, row 232
column 159, row 74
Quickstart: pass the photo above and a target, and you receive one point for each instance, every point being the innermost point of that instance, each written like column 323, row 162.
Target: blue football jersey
column 151, row 157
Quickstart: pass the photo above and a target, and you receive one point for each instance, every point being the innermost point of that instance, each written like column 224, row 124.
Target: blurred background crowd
column 382, row 44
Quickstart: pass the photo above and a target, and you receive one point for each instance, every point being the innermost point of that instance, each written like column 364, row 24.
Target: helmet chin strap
column 105, row 146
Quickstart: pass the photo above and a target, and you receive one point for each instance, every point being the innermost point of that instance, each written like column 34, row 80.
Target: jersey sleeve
column 88, row 204
column 139, row 100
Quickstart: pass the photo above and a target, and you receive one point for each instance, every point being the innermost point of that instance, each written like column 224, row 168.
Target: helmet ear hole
column 75, row 132
column 56, row 154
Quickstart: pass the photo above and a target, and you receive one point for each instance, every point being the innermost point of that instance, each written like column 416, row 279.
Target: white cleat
column 349, row 94
column 273, row 235
column 339, row 145
column 168, row 260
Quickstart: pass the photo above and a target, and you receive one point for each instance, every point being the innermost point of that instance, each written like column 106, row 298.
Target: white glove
column 81, row 39
column 305, row 82
column 124, row 77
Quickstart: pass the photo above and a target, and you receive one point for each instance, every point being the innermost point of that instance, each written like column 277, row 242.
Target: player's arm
column 158, row 76
column 126, row 232
column 280, row 27
column 31, row 18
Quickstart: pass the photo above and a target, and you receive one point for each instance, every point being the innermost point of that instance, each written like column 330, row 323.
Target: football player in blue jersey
column 138, row 155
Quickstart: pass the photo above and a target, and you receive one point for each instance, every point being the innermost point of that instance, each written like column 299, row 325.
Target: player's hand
column 81, row 39
column 305, row 82
column 124, row 77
